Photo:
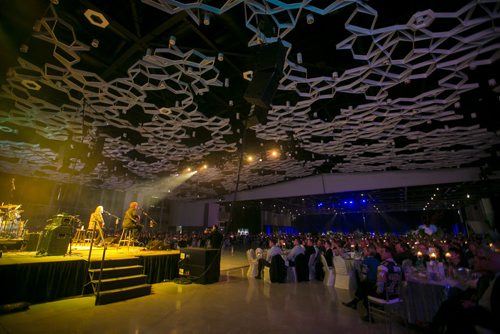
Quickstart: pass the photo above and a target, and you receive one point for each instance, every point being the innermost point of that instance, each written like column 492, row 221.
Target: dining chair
column 329, row 274
column 391, row 305
column 312, row 266
column 252, row 263
column 342, row 275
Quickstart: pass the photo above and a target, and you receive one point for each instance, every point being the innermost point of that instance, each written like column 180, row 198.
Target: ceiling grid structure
column 136, row 92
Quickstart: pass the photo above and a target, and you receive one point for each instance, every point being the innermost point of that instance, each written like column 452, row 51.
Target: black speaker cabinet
column 54, row 240
column 31, row 241
column 270, row 60
column 202, row 264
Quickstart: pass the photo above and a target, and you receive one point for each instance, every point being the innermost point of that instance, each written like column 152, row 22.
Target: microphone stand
column 152, row 222
column 117, row 220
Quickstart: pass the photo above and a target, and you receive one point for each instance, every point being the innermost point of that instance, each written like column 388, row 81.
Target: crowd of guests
column 383, row 258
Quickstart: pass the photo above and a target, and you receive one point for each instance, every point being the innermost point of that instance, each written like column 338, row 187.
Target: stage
column 27, row 277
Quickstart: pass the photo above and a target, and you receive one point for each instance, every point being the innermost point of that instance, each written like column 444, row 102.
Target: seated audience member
column 483, row 309
column 456, row 259
column 388, row 275
column 328, row 253
column 309, row 249
column 272, row 251
column 402, row 253
column 368, row 280
column 296, row 250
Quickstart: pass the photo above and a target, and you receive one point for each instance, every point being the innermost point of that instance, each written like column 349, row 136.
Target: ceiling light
column 250, row 158
column 171, row 41
column 310, row 18
column 274, row 153
column 188, row 169
column 96, row 18
column 205, row 166
column 206, row 19
column 299, row 61
column 468, row 196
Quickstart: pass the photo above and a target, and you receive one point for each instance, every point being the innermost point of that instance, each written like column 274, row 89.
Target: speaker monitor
column 270, row 60
column 54, row 240
column 203, row 264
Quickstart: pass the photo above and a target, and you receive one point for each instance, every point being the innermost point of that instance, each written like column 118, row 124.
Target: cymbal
column 9, row 206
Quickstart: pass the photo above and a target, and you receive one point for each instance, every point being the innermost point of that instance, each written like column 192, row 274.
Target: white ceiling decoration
column 155, row 92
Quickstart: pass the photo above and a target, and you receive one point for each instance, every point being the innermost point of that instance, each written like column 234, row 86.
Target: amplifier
column 54, row 240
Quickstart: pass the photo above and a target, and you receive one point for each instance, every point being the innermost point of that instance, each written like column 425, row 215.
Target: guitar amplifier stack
column 56, row 236
column 200, row 265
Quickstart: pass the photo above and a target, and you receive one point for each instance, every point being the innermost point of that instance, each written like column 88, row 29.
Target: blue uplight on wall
column 363, row 201
column 320, row 204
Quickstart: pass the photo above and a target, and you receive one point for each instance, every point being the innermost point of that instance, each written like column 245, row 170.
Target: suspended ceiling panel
column 129, row 94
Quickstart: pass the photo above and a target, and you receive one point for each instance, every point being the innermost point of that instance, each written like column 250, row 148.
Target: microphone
column 106, row 212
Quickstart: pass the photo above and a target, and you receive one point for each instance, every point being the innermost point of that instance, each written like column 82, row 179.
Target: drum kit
column 11, row 225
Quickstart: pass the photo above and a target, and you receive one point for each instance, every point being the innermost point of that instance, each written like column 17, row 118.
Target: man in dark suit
column 216, row 237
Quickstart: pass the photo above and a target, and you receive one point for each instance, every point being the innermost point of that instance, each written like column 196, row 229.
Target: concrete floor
column 234, row 305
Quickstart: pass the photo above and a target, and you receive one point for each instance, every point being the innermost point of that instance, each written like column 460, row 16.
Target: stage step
column 121, row 279
column 111, row 296
column 116, row 272
column 121, row 282
column 115, row 263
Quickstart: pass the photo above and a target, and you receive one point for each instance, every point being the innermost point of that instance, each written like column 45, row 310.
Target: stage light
column 468, row 196
column 250, row 158
column 206, row 19
column 274, row 153
column 205, row 166
column 188, row 169
column 171, row 41
column 310, row 18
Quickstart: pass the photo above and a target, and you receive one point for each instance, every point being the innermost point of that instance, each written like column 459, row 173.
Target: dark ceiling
column 150, row 88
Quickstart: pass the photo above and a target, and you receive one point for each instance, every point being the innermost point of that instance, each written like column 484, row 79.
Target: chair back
column 277, row 271
column 259, row 253
column 323, row 262
column 340, row 265
column 301, row 268
column 392, row 287
column 251, row 255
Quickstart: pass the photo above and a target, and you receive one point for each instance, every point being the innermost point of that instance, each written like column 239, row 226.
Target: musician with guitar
column 96, row 223
column 132, row 220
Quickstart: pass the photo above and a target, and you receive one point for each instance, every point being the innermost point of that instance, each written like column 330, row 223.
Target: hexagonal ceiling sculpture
column 161, row 88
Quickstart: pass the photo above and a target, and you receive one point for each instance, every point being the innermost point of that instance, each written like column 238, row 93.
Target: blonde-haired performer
column 96, row 223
